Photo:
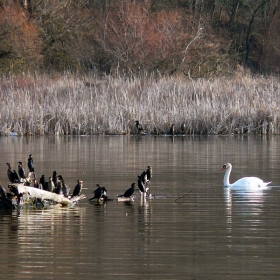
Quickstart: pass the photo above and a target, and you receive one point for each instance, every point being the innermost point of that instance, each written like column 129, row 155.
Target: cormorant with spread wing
column 141, row 185
column 99, row 192
column 129, row 192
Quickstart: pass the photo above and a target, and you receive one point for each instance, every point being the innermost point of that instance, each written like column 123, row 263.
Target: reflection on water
column 251, row 229
column 193, row 228
column 244, row 205
column 245, row 199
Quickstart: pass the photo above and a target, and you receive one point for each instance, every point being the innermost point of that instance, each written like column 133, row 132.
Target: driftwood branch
column 45, row 195
column 183, row 196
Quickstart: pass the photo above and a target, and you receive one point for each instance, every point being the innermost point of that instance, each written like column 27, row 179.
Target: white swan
column 245, row 182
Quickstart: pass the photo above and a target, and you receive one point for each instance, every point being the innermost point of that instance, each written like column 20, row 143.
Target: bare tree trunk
column 233, row 13
column 249, row 31
column 27, row 5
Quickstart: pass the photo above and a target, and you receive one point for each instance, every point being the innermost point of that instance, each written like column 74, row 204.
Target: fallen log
column 125, row 199
column 32, row 193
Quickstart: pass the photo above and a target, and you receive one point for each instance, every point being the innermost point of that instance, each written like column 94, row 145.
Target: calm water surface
column 192, row 229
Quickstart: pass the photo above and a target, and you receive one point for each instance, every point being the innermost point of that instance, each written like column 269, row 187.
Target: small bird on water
column 138, row 126
column 140, row 129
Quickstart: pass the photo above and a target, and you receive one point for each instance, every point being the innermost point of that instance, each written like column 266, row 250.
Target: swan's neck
column 226, row 177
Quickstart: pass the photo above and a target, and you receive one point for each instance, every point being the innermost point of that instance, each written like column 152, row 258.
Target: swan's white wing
column 250, row 182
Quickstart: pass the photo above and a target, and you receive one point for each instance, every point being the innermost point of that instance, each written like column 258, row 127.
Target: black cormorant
column 78, row 188
column 3, row 192
column 30, row 164
column 99, row 192
column 129, row 192
column 44, row 184
column 141, row 185
column 138, row 126
column 144, row 177
column 21, row 171
column 51, row 185
column 54, row 178
column 149, row 173
column 6, row 200
column 12, row 174
column 65, row 188
column 37, row 185
column 58, row 187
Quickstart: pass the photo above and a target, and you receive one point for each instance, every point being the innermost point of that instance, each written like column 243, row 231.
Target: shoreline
column 90, row 105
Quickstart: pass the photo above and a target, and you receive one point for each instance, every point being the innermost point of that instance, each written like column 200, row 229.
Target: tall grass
column 42, row 105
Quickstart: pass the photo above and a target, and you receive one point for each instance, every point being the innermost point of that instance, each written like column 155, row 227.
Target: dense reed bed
column 42, row 105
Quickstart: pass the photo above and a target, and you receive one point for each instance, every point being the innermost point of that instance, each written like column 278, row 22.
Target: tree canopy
column 193, row 37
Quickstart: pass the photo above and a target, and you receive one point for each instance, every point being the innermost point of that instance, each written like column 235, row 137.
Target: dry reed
column 43, row 105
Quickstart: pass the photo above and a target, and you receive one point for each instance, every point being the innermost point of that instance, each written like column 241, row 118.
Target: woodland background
column 197, row 38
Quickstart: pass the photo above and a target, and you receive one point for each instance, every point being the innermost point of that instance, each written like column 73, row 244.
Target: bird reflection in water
column 144, row 225
column 243, row 206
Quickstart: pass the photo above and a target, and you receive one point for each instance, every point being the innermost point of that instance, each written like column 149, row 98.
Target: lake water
column 192, row 228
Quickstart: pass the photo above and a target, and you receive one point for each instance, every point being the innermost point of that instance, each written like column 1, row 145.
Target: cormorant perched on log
column 144, row 177
column 3, row 192
column 44, row 184
column 21, row 171
column 129, row 192
column 31, row 165
column 141, row 185
column 65, row 188
column 99, row 192
column 78, row 188
column 54, row 178
column 58, row 187
column 5, row 200
column 149, row 173
column 51, row 185
column 37, row 185
column 12, row 174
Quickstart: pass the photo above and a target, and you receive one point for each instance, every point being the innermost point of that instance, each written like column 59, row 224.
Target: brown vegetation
column 160, row 62
column 67, row 104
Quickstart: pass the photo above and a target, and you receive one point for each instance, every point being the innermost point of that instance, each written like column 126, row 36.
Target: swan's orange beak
column 224, row 167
